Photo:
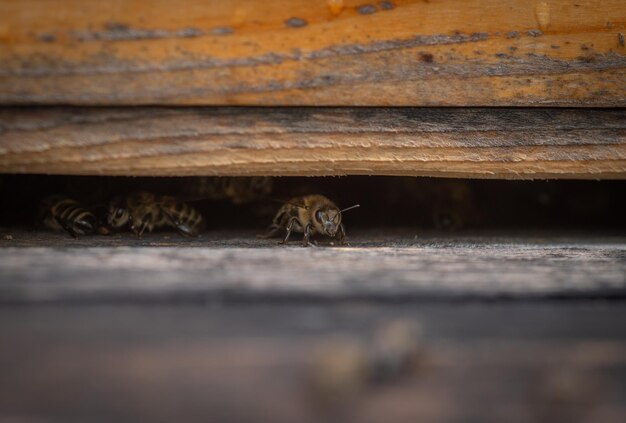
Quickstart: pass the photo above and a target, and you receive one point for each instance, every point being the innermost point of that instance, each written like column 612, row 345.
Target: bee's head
column 117, row 215
column 327, row 220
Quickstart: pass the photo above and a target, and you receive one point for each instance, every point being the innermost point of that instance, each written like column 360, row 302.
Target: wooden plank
column 299, row 52
column 240, row 267
column 479, row 143
column 524, row 363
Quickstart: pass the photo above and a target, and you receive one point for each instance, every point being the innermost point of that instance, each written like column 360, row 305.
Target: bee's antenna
column 350, row 208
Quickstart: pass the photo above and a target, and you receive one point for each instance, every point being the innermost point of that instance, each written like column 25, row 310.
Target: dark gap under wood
column 386, row 202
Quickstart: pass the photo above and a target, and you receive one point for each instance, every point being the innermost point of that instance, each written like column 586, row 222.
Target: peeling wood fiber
column 152, row 141
column 298, row 52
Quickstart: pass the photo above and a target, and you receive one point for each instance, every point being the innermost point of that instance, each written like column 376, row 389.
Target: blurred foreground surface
column 402, row 325
column 520, row 362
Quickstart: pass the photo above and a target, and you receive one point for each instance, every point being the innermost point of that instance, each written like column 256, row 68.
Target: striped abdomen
column 63, row 213
column 182, row 217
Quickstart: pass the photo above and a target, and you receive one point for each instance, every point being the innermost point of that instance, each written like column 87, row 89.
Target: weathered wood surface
column 481, row 143
column 238, row 267
column 303, row 52
column 562, row 362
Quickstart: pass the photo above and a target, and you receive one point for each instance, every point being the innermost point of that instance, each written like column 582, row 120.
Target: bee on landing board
column 310, row 215
column 143, row 211
column 62, row 213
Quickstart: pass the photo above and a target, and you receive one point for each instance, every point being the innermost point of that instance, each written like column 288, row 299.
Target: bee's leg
column 144, row 223
column 341, row 234
column 142, row 228
column 306, row 241
column 271, row 232
column 289, row 227
column 139, row 226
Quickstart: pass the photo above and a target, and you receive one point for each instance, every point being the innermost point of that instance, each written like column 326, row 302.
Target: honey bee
column 310, row 214
column 143, row 211
column 62, row 213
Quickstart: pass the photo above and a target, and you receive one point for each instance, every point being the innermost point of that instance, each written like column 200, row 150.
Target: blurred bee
column 62, row 213
column 344, row 368
column 143, row 211
column 239, row 190
column 309, row 215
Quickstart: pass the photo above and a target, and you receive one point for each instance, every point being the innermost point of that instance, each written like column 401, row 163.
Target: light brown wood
column 479, row 143
column 303, row 52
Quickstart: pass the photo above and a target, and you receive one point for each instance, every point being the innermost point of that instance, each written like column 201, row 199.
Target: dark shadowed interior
column 386, row 202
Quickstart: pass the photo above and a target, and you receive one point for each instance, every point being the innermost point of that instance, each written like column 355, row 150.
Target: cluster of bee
column 139, row 212
column 143, row 212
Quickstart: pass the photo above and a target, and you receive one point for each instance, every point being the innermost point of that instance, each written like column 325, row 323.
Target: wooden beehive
column 525, row 325
column 304, row 53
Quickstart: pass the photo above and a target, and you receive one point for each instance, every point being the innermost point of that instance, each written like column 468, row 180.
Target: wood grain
column 239, row 267
column 479, row 143
column 300, row 52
